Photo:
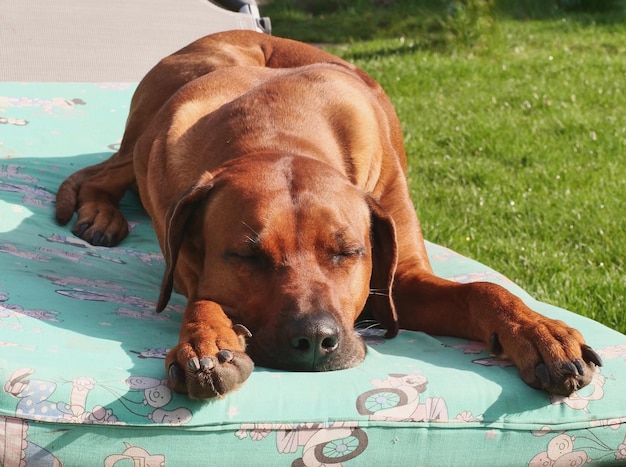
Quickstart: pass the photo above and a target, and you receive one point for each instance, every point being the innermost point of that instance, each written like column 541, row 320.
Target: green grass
column 515, row 126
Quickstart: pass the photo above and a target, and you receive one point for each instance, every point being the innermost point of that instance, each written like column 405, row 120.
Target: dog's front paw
column 101, row 224
column 549, row 354
column 209, row 368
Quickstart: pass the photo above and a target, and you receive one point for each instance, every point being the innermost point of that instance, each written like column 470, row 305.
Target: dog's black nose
column 312, row 340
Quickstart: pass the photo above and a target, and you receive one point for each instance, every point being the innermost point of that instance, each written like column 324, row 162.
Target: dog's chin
column 266, row 354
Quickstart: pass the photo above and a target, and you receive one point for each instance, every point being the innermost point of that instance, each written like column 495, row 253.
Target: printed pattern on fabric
column 565, row 449
column 319, row 444
column 147, row 398
column 82, row 349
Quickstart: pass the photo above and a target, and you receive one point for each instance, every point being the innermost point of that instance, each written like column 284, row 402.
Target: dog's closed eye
column 341, row 256
column 252, row 259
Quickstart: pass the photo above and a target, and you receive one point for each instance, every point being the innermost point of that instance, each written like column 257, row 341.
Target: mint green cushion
column 81, row 348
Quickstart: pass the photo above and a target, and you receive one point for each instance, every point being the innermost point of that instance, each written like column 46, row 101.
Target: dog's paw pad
column 208, row 377
column 565, row 377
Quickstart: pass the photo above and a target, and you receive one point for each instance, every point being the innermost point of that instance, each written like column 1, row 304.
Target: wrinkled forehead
column 291, row 195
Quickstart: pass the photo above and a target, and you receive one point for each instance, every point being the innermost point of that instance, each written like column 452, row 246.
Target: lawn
column 515, row 126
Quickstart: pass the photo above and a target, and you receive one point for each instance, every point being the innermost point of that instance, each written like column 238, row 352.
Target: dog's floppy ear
column 176, row 222
column 384, row 262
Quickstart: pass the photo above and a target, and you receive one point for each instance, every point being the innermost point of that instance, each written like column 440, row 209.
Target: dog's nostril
column 330, row 344
column 322, row 344
column 302, row 344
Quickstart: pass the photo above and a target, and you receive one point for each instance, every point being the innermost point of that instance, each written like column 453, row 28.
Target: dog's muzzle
column 313, row 342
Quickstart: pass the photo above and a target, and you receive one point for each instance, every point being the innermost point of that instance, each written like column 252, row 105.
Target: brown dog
column 274, row 175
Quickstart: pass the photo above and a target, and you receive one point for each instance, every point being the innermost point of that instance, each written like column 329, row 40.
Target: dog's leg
column 209, row 359
column 549, row 354
column 94, row 192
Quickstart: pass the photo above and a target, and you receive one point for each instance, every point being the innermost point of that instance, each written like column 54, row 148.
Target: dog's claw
column 225, row 356
column 494, row 344
column 175, row 374
column 580, row 366
column 570, row 368
column 590, row 356
column 80, row 230
column 543, row 374
column 207, row 363
column 97, row 239
column 193, row 364
column 241, row 330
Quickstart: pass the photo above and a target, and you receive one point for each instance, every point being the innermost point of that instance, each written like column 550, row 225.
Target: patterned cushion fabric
column 81, row 348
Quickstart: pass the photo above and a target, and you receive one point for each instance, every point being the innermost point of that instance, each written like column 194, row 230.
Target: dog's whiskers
column 367, row 324
column 252, row 239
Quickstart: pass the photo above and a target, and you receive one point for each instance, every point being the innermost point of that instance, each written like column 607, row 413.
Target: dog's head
column 290, row 249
